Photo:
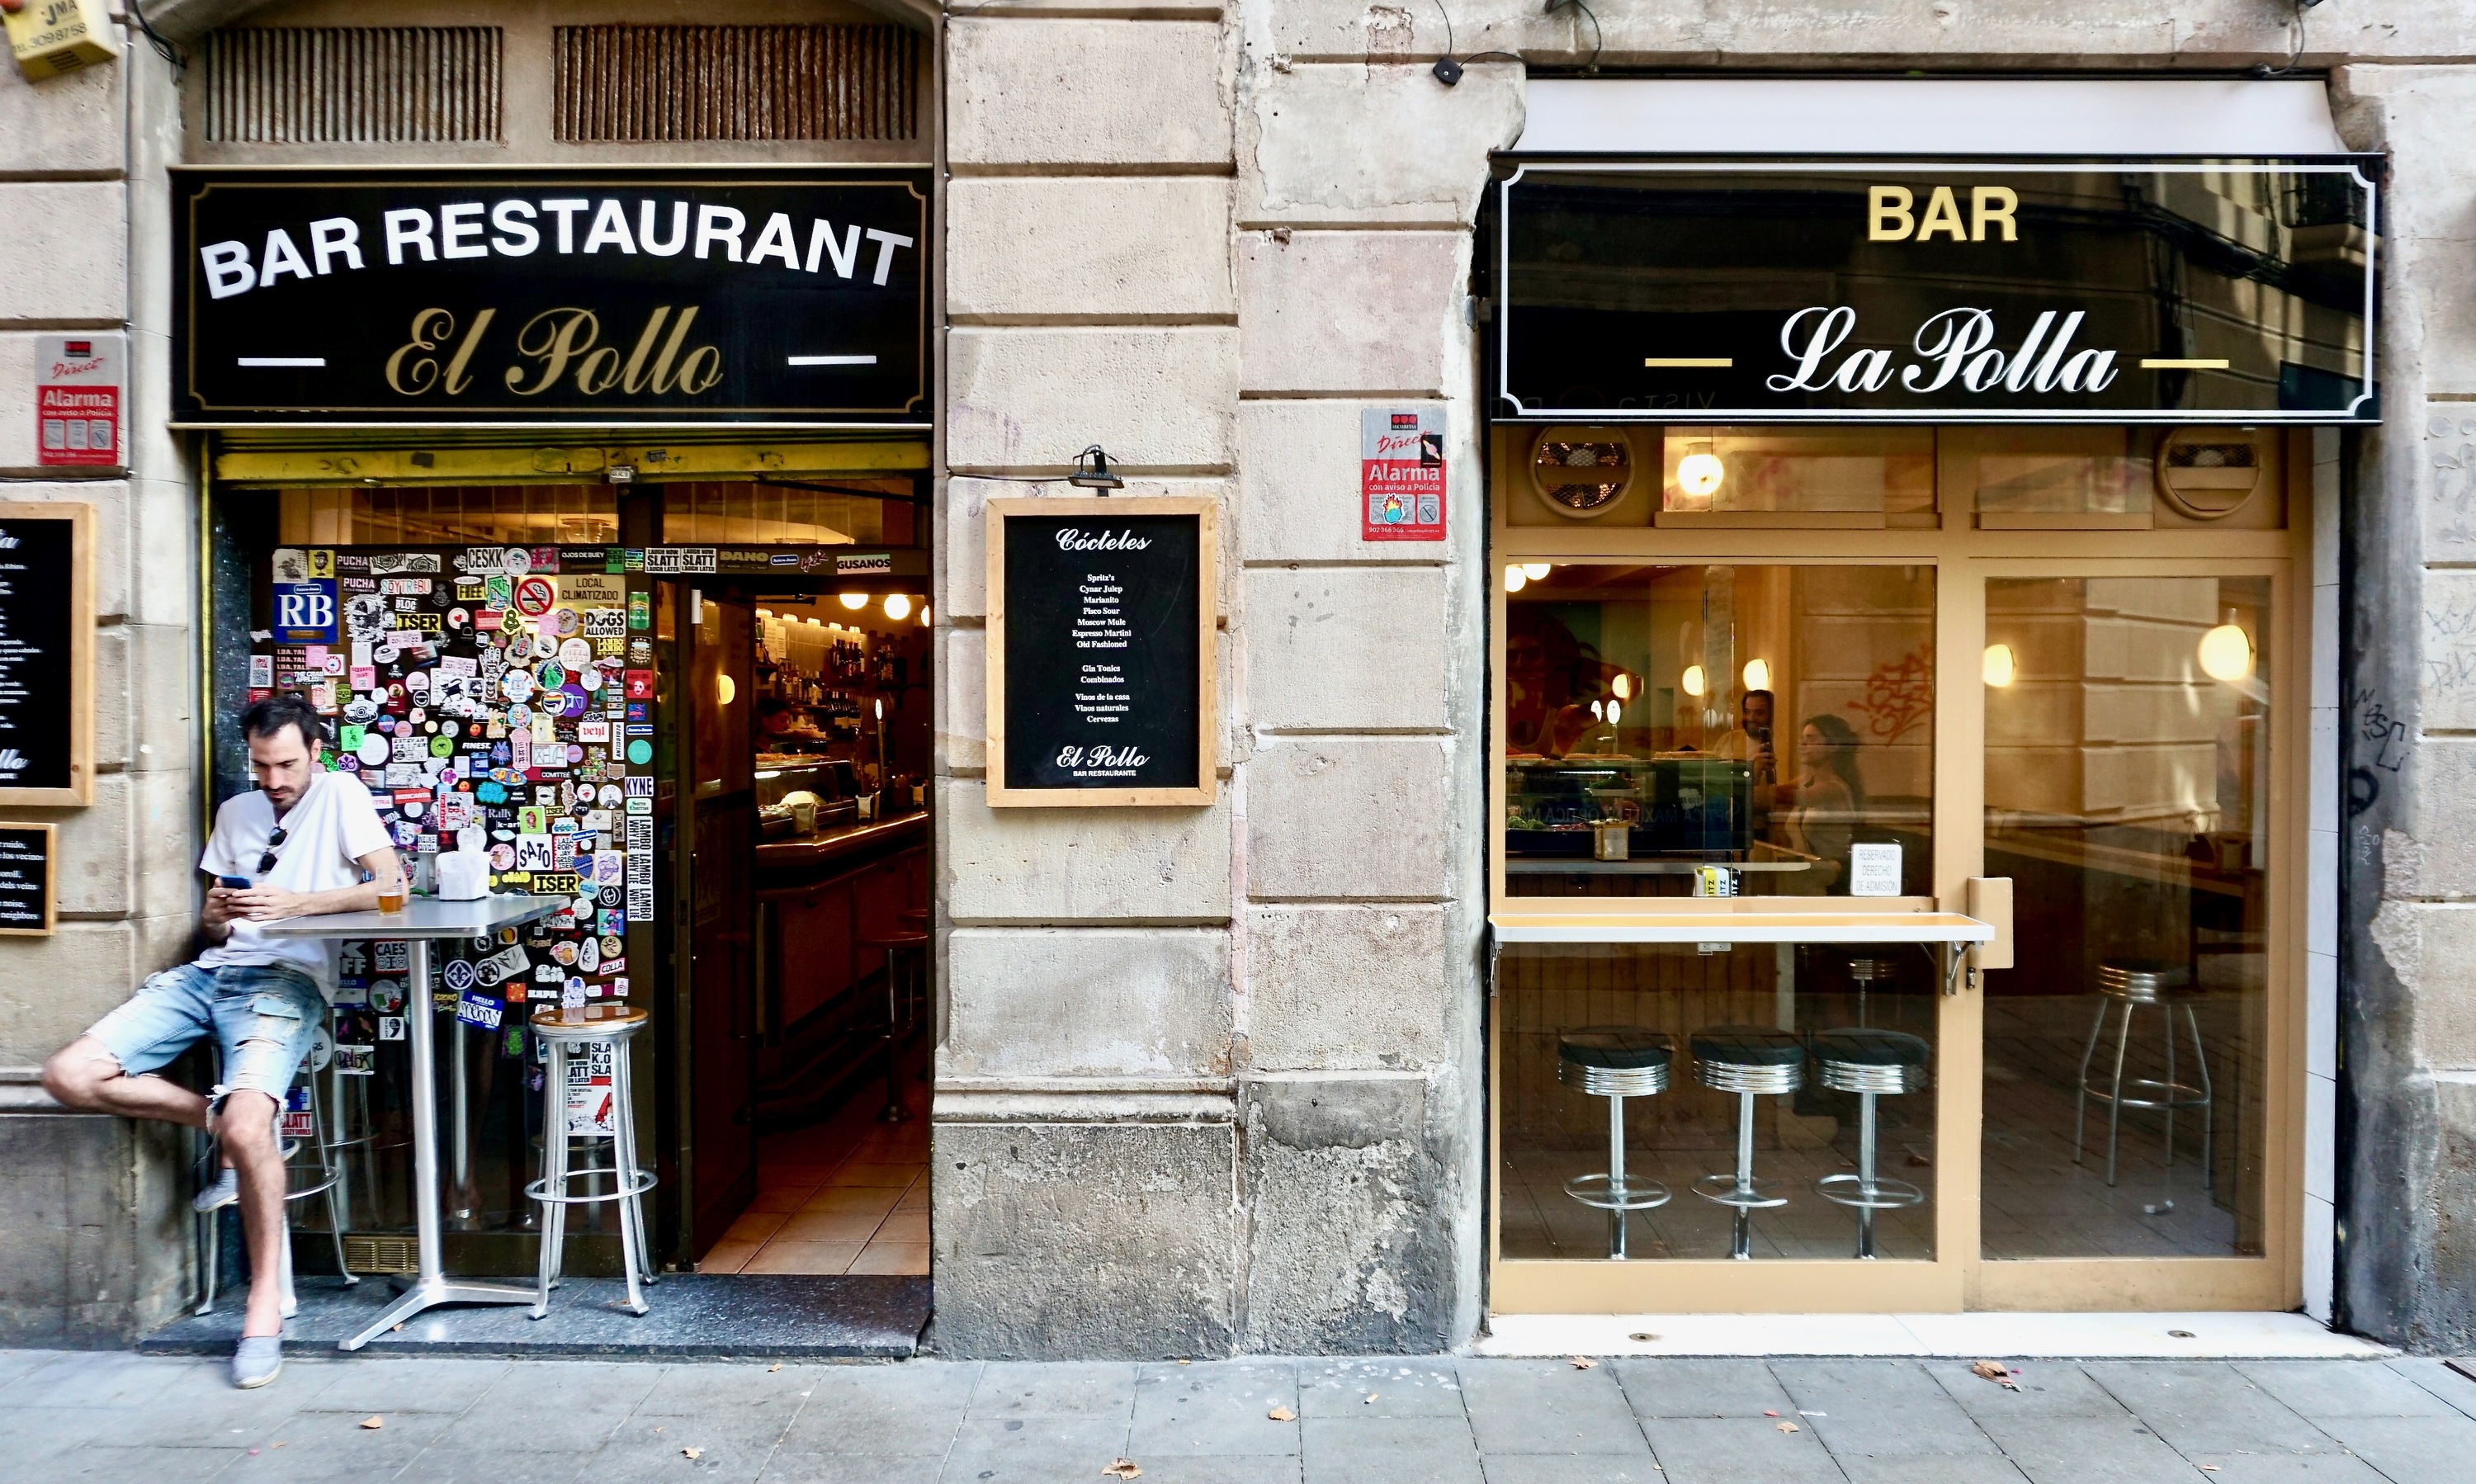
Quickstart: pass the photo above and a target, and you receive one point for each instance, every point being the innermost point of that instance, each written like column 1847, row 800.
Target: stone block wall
column 90, row 1247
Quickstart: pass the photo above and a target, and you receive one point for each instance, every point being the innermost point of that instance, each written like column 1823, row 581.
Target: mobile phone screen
column 235, row 883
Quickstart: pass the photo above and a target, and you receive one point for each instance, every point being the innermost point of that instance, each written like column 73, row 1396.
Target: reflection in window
column 451, row 515
column 1853, row 477
column 1776, row 721
column 2128, row 796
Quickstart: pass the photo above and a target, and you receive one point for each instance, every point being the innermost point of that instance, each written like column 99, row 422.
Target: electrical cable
column 171, row 53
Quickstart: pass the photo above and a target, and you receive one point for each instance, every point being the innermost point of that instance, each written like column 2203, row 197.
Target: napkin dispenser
column 464, row 873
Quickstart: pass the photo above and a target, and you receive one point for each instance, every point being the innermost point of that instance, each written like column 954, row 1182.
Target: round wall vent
column 2209, row 473
column 1582, row 473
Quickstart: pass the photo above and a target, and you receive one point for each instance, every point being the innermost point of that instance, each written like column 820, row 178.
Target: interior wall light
column 898, row 607
column 1758, row 674
column 1691, row 681
column 1536, row 569
column 1092, row 471
column 852, row 601
column 725, row 689
column 924, row 615
column 1515, row 580
column 2002, row 668
column 1701, row 473
column 2226, row 651
column 1623, row 685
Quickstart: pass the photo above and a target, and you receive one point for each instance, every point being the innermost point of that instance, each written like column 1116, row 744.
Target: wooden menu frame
column 1207, row 605
column 80, row 700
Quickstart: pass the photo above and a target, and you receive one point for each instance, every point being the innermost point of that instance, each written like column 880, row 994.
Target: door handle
column 1990, row 901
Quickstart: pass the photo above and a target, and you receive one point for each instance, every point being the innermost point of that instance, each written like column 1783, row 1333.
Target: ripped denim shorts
column 262, row 1016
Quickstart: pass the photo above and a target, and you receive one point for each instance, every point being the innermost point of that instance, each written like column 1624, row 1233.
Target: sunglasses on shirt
column 274, row 843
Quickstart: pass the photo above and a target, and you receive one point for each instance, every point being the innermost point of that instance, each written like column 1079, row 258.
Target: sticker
column 1873, row 870
column 640, row 684
column 533, row 852
column 533, row 596
column 588, row 955
column 640, row 611
column 305, row 612
column 458, row 973
column 590, row 1096
column 564, row 623
column 515, row 558
column 261, row 672
column 640, row 752
column 574, row 653
column 478, row 1010
column 359, row 1060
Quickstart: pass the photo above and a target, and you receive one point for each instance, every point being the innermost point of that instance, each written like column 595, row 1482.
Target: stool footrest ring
column 1609, row 1194
column 1725, row 1189
column 539, row 1189
column 1889, row 1195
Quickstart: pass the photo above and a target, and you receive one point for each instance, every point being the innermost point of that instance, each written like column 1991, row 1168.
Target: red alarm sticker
column 534, row 595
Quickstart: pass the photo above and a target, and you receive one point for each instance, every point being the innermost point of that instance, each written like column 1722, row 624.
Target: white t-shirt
column 325, row 836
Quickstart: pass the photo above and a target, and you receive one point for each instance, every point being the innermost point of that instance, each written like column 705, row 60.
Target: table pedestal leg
column 431, row 1286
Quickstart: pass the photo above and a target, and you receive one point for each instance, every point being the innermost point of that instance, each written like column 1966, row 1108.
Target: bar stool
column 2132, row 983
column 1870, row 1063
column 891, row 942
column 1751, row 1061
column 565, row 1033
column 323, row 1179
column 1614, row 1062
column 1866, row 972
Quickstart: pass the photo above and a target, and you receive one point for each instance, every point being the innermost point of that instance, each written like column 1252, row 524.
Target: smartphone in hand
column 234, row 882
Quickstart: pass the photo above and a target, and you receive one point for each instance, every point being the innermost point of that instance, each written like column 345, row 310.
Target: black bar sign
column 25, row 879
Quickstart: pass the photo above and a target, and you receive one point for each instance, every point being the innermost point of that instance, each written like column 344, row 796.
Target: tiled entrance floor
column 850, row 1195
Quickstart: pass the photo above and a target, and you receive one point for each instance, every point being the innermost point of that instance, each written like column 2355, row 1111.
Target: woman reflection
column 1823, row 806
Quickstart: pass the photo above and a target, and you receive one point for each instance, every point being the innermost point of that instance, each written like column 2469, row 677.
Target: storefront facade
column 1258, row 1074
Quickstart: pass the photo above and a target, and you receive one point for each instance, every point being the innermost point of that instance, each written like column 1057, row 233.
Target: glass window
column 451, row 515
column 1786, row 1085
column 857, row 510
column 2127, row 797
column 1776, row 721
column 1776, row 476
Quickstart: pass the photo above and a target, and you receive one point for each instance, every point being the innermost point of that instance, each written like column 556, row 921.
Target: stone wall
column 90, row 1250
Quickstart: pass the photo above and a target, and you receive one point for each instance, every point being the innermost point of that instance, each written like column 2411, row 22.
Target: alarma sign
column 1402, row 474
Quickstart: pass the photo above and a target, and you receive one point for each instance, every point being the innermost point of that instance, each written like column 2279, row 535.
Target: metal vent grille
column 643, row 85
column 380, row 1255
column 353, row 85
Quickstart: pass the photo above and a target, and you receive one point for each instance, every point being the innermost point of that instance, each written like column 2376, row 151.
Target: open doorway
column 800, row 789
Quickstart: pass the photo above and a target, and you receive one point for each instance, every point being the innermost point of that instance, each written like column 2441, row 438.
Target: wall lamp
column 1092, row 471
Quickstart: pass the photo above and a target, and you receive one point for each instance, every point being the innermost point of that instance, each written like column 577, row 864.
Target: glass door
column 2131, row 1129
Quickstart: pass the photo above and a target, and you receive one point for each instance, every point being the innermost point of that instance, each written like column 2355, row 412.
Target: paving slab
column 2410, row 1449
column 1034, row 1449
column 2047, row 1388
column 101, row 1461
column 1879, row 1406
column 1414, row 1387
column 2288, row 1469
column 2455, row 1389
column 1026, row 1388
column 1701, row 1388
column 1929, row 1468
column 1355, row 1451
column 904, row 1411
column 2085, row 1449
column 1739, row 1450
column 389, row 1385
column 2199, row 1407
column 465, row 1465
column 1555, row 1469
column 1221, row 1409
column 1548, row 1406
column 789, row 1467
column 2345, row 1388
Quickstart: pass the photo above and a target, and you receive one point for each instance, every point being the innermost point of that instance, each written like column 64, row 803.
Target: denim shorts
column 263, row 1017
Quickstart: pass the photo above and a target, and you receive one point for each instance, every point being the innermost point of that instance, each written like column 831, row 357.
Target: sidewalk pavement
column 1458, row 1421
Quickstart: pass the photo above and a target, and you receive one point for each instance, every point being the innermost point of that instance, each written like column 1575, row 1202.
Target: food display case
column 1676, row 806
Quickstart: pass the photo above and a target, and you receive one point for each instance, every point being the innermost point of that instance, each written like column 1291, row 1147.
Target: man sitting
column 307, row 842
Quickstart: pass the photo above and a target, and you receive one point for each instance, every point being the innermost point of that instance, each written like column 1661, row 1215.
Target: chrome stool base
column 1614, row 1062
column 1751, row 1061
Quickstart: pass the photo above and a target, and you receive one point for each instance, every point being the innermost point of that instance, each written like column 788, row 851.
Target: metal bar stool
column 1614, row 1062
column 323, row 1179
column 893, row 942
column 564, row 1032
column 2132, row 983
column 1870, row 1063
column 1866, row 972
column 1751, row 1061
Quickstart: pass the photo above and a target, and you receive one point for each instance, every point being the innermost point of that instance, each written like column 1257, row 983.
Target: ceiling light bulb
column 2001, row 668
column 2226, row 652
column 854, row 600
column 1615, row 713
column 1700, row 473
column 1623, row 685
column 1597, row 712
column 1692, row 679
column 1514, row 579
column 924, row 615
column 1758, row 674
column 898, row 607
column 1536, row 569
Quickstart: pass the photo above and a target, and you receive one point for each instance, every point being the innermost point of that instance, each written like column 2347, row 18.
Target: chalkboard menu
column 46, row 656
column 1101, row 615
column 25, row 879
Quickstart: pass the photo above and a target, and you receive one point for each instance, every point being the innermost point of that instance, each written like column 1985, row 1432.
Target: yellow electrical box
column 53, row 36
